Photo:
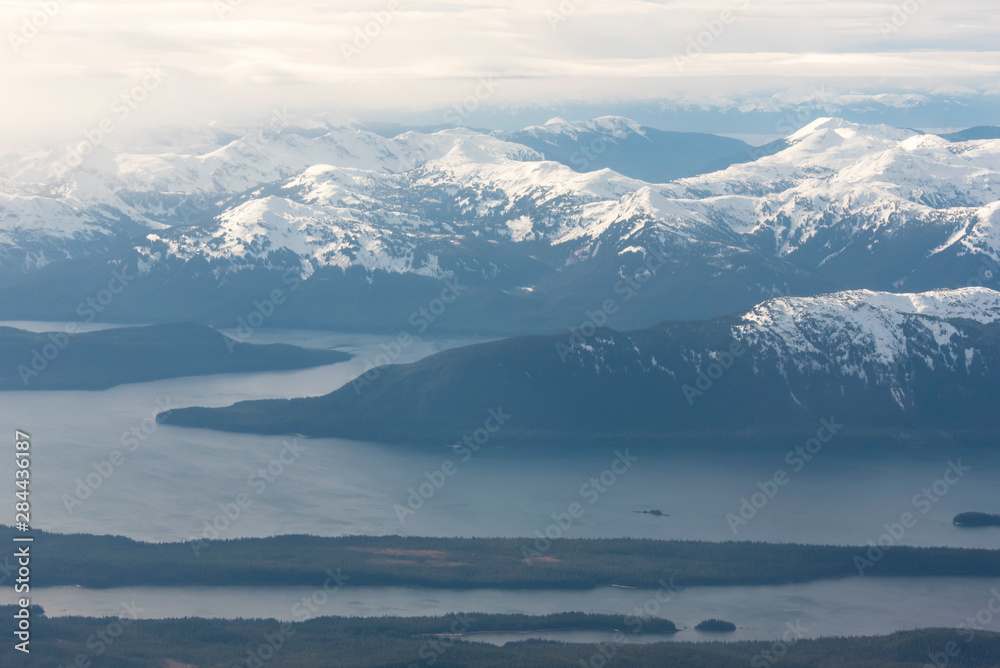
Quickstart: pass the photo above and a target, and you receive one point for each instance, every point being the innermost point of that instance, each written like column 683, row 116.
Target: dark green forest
column 977, row 520
column 389, row 642
column 106, row 561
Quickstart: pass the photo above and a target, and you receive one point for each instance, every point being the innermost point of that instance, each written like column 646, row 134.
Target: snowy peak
column 860, row 333
column 618, row 127
column 460, row 146
column 847, row 130
column 835, row 144
column 974, row 303
column 256, row 159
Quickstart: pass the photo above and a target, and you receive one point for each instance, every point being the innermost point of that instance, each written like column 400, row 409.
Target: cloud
column 63, row 67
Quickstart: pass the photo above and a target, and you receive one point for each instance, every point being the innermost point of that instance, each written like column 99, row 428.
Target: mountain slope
column 869, row 361
column 44, row 223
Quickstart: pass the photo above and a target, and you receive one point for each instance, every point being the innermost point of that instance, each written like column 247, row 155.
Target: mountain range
column 361, row 231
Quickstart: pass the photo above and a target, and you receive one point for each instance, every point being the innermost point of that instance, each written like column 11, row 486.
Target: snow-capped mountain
column 877, row 338
column 42, row 223
column 867, row 206
column 866, row 361
column 369, row 226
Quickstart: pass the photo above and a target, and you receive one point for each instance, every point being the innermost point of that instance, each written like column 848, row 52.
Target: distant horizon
column 66, row 64
column 755, row 126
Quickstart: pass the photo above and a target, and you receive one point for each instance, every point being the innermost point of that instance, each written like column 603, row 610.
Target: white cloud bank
column 64, row 63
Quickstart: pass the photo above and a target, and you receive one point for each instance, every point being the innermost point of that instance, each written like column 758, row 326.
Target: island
column 471, row 563
column 716, row 626
column 654, row 513
column 977, row 520
column 375, row 642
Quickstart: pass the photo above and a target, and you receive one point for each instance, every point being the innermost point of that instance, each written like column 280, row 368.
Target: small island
column 716, row 626
column 654, row 512
column 977, row 520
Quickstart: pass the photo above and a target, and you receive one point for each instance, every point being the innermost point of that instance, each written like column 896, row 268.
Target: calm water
column 855, row 606
column 176, row 479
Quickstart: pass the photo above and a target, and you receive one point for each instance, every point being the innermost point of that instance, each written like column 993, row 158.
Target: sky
column 68, row 65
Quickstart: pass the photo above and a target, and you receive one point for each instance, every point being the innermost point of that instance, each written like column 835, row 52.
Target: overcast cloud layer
column 64, row 64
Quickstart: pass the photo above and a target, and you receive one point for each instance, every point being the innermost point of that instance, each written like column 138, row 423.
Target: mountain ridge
column 867, row 361
column 382, row 221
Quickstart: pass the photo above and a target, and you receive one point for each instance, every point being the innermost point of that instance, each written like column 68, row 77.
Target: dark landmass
column 471, row 563
column 103, row 359
column 716, row 626
column 654, row 156
column 691, row 285
column 392, row 642
column 749, row 154
column 977, row 520
column 654, row 512
column 972, row 134
column 615, row 388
